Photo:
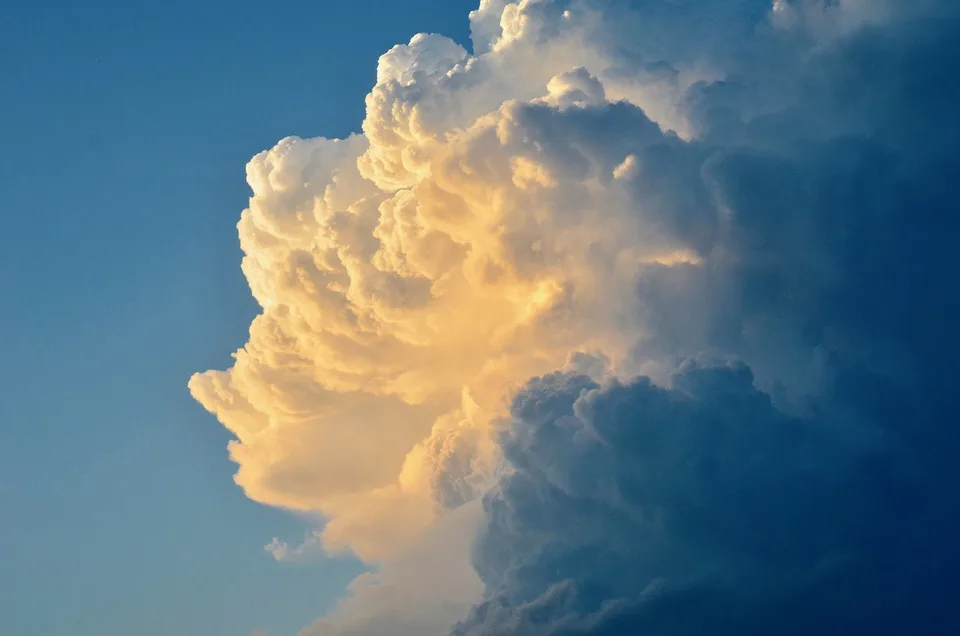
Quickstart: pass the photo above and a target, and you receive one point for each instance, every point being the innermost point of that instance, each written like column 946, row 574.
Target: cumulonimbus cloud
column 410, row 277
column 612, row 189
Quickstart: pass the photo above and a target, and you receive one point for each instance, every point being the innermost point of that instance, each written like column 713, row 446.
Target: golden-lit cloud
column 411, row 277
column 566, row 195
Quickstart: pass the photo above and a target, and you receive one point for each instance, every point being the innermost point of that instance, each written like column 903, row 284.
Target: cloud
column 422, row 590
column 310, row 548
column 412, row 277
column 631, row 508
column 735, row 217
column 818, row 505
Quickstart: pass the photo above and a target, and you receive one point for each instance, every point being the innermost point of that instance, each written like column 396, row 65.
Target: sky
column 125, row 129
column 546, row 318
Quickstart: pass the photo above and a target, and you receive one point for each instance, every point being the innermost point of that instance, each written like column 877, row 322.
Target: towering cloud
column 411, row 277
column 719, row 234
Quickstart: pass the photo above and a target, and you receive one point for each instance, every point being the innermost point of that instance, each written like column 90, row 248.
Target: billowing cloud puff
column 704, row 509
column 616, row 189
column 411, row 277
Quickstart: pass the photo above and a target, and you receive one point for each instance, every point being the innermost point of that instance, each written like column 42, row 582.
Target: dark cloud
column 704, row 509
column 810, row 492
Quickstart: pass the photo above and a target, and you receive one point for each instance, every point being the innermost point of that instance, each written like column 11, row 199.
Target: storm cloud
column 669, row 287
column 822, row 504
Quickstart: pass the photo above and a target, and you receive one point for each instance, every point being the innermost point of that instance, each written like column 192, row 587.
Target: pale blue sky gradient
column 125, row 128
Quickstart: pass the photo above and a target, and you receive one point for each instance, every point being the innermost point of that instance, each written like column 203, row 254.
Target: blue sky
column 125, row 129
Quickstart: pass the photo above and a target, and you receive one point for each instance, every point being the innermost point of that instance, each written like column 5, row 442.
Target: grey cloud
column 704, row 509
column 809, row 492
